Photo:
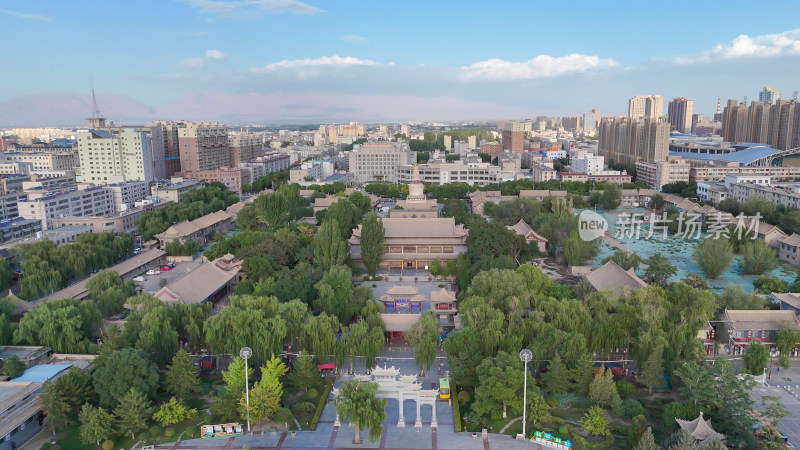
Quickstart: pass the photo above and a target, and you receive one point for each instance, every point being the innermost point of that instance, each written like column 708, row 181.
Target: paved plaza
column 790, row 396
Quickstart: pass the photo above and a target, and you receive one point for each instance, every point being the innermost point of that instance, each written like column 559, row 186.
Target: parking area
column 790, row 396
column 151, row 285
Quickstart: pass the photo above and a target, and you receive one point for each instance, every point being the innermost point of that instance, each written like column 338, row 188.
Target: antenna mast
column 96, row 120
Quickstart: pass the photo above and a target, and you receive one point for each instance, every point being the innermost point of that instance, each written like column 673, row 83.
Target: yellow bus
column 444, row 388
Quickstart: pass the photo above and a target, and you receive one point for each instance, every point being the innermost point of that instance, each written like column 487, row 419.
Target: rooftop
column 42, row 372
column 744, row 319
column 611, row 276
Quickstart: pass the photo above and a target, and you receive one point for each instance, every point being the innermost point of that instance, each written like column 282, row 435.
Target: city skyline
column 310, row 61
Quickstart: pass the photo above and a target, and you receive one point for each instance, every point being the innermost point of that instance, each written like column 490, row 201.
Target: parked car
column 153, row 272
column 165, row 268
column 137, row 251
column 139, row 279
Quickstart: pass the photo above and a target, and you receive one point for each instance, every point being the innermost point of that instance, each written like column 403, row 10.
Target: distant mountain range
column 67, row 109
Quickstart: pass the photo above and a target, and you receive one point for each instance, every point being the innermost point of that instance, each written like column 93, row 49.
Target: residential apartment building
column 245, row 147
column 18, row 227
column 588, row 163
column 679, row 114
column 126, row 195
column 479, row 174
column 44, row 161
column 8, row 205
column 629, row 141
column 571, row 122
column 646, row 107
column 173, row 190
column 107, row 154
column 769, row 96
column 776, row 124
column 273, row 162
column 46, row 206
column 491, row 148
column 718, row 173
column 658, row 173
column 543, row 172
column 122, row 222
column 513, row 136
column 203, row 146
column 786, row 194
column 378, row 162
column 232, row 177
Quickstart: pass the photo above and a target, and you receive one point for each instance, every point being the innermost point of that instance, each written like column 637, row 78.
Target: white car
column 139, row 279
column 153, row 272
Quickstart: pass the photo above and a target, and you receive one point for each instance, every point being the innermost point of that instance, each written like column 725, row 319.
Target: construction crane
column 794, row 96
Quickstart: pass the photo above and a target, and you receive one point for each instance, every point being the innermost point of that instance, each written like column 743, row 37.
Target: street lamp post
column 245, row 353
column 525, row 355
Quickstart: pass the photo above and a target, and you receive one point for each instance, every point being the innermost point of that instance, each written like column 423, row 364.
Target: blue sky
column 440, row 58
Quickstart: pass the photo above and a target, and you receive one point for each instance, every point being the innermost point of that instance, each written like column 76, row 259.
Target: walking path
column 505, row 427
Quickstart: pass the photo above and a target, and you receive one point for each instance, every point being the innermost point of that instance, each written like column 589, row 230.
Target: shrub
column 311, row 394
column 463, row 398
column 108, row 444
column 473, row 419
column 169, row 431
column 552, row 402
column 625, row 388
column 322, row 401
column 632, row 408
column 618, row 428
column 303, row 408
column 283, row 415
column 457, row 414
column 155, row 430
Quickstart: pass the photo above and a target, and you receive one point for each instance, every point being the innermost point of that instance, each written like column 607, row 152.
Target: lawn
column 304, row 403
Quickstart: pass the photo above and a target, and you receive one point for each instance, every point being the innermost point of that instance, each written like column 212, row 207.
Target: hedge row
column 322, row 401
column 456, row 408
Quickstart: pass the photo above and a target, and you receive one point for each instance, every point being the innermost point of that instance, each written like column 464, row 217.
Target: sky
column 446, row 60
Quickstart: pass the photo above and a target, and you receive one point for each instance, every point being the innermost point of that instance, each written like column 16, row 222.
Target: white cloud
column 306, row 68
column 744, row 46
column 25, row 15
column 232, row 8
column 201, row 62
column 542, row 66
column 354, row 38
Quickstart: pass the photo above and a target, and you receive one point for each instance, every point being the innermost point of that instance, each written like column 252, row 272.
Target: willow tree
column 319, row 335
column 423, row 335
column 713, row 256
column 358, row 403
column 758, row 257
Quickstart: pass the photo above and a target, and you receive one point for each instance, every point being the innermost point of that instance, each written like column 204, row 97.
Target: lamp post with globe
column 525, row 355
column 245, row 353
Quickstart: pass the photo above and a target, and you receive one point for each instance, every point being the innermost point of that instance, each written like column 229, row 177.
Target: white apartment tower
column 769, row 96
column 114, row 152
column 646, row 107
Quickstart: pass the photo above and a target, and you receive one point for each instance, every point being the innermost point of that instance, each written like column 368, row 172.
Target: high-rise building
column 629, row 141
column 769, row 96
column 110, row 153
column 646, row 107
column 448, row 142
column 472, row 142
column 679, row 114
column 244, row 147
column 203, row 146
column 776, row 125
column 571, row 122
column 513, row 136
column 590, row 121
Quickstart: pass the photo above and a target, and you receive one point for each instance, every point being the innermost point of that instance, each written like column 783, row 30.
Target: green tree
column 611, row 197
column 556, row 379
column 346, row 215
column 577, row 251
column 538, row 409
column 774, row 409
column 756, row 358
column 653, row 370
column 786, row 339
column 320, row 334
column 265, row 396
column 62, row 325
column 647, row 441
column 335, row 293
column 173, row 411
column 124, row 369
column 329, row 247
column 768, row 285
column 659, row 270
column 181, row 379
column 96, row 424
column 133, row 412
column 500, row 386
column 758, row 257
column 358, row 404
column 683, row 440
column 713, row 256
column 583, row 374
column 626, row 260
column 62, row 398
column 423, row 336
column 657, row 202
column 226, row 399
column 372, row 242
column 637, row 430
column 602, row 390
column 304, row 373
column 13, row 366
column 595, row 422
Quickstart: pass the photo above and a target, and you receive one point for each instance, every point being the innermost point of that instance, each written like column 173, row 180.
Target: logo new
column 591, row 225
